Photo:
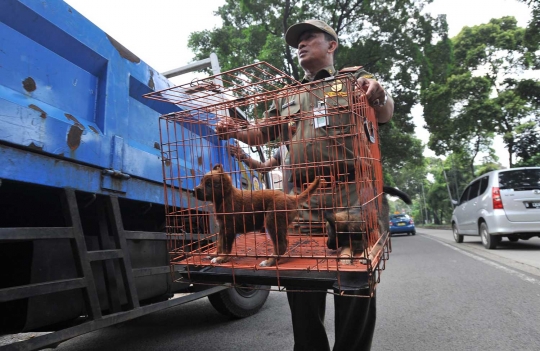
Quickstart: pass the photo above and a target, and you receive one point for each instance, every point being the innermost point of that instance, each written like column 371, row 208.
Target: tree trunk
column 436, row 218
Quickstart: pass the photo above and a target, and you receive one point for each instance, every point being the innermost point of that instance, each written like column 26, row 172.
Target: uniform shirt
column 324, row 97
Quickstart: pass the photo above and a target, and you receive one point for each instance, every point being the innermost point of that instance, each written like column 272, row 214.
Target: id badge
column 320, row 115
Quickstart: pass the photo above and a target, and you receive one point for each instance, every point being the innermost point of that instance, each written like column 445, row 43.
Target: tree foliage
column 480, row 96
column 471, row 86
column 527, row 144
column 388, row 38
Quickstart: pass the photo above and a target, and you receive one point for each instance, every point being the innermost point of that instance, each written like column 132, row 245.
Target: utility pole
column 448, row 187
column 425, row 207
column 446, row 180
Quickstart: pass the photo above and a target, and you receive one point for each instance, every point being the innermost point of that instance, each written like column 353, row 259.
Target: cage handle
column 369, row 127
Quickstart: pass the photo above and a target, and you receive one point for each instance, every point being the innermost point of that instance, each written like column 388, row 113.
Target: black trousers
column 355, row 319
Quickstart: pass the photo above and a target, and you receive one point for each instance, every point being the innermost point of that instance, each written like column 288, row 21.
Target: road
column 434, row 295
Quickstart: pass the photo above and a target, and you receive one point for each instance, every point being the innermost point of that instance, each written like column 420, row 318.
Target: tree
column 532, row 32
column 436, row 192
column 527, row 144
column 481, row 97
column 388, row 38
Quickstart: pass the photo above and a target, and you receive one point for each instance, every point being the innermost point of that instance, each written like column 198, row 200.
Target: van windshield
column 522, row 179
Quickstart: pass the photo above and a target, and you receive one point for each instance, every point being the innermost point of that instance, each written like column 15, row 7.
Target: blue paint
column 82, row 108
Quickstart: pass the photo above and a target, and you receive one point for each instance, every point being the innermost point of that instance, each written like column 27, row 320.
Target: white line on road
column 520, row 275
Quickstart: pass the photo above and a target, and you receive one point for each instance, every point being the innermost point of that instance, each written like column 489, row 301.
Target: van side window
column 483, row 185
column 473, row 193
column 465, row 195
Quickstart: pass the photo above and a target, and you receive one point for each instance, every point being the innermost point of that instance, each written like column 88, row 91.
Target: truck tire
column 240, row 302
column 490, row 241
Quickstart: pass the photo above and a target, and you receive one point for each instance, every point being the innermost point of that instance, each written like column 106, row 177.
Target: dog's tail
column 303, row 196
column 395, row 192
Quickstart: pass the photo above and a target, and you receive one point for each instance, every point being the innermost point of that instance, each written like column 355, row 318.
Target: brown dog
column 245, row 211
column 345, row 228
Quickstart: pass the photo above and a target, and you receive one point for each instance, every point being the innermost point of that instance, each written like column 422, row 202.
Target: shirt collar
column 326, row 72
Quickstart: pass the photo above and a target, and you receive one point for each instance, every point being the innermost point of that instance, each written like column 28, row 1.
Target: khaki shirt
column 293, row 121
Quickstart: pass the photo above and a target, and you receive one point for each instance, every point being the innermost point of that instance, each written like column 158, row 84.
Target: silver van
column 502, row 203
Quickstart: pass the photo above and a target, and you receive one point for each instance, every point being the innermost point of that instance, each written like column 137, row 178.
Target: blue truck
column 82, row 218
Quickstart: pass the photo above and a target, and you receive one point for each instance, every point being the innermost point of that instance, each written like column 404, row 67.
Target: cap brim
column 294, row 32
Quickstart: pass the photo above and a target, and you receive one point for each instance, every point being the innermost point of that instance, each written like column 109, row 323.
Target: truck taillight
column 390, row 223
column 496, row 196
column 411, row 221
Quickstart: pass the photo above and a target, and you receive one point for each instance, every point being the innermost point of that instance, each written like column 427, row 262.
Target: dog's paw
column 268, row 263
column 346, row 260
column 218, row 260
column 346, row 256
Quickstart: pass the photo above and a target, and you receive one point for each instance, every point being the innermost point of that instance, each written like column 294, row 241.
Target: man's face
column 312, row 49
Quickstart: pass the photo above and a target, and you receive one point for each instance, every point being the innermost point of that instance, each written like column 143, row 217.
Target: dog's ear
column 218, row 168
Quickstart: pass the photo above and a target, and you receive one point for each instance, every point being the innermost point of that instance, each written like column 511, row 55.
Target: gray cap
column 294, row 31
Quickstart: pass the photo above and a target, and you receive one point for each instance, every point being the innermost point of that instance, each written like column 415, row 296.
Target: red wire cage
column 254, row 234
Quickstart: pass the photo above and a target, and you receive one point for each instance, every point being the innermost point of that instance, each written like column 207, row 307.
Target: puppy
column 244, row 211
column 345, row 228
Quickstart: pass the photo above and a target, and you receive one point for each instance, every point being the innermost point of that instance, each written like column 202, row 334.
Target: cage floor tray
column 308, row 263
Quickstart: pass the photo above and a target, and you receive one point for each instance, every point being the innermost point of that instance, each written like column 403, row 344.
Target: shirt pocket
column 290, row 108
column 338, row 115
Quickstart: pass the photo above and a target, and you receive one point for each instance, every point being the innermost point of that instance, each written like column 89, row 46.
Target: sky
column 157, row 31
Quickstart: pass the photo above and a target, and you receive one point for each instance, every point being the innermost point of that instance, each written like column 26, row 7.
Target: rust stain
column 199, row 160
column 125, row 53
column 151, row 83
column 29, row 84
column 75, row 132
column 192, row 171
column 74, row 137
column 93, row 129
column 167, row 162
column 43, row 114
column 35, row 146
column 71, row 118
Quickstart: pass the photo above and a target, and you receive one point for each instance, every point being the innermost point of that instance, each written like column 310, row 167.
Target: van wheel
column 457, row 237
column 240, row 302
column 490, row 241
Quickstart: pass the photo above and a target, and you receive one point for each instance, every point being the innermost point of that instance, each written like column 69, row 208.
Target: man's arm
column 253, row 135
column 376, row 95
column 264, row 167
column 228, row 128
column 385, row 113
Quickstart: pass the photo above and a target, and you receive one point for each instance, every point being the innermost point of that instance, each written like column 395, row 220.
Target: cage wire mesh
column 226, row 225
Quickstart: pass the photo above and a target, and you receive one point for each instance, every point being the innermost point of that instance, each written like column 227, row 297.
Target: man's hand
column 236, row 151
column 373, row 89
column 376, row 97
column 226, row 128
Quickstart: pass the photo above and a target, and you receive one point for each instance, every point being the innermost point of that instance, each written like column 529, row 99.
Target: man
column 264, row 167
column 354, row 316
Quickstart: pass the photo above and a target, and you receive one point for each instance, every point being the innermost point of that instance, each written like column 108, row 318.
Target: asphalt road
column 434, row 295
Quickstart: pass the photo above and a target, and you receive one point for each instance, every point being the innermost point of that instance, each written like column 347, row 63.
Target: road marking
column 517, row 274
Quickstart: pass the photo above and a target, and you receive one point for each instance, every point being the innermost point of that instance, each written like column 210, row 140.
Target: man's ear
column 332, row 46
column 218, row 168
